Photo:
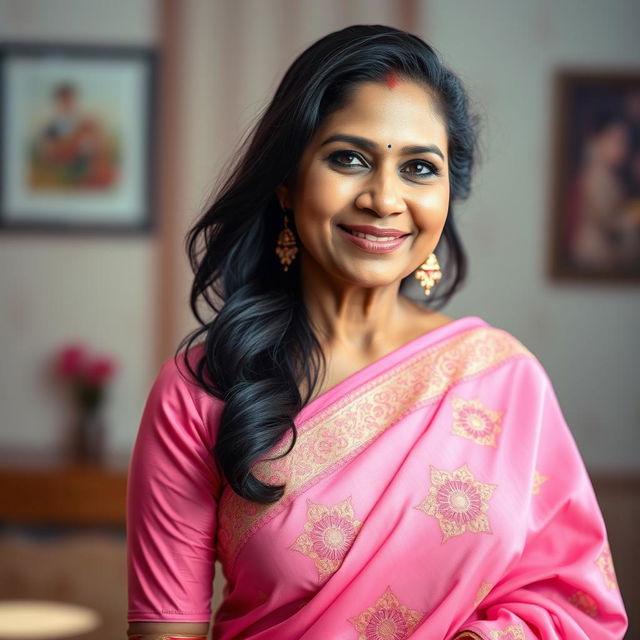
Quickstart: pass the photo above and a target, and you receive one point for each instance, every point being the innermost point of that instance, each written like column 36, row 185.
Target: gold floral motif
column 458, row 501
column 474, row 421
column 386, row 620
column 328, row 535
column 604, row 562
column 512, row 632
column 538, row 480
column 585, row 602
column 482, row 593
column 338, row 433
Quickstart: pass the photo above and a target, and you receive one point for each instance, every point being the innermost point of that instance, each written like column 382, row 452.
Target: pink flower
column 86, row 375
column 73, row 362
column 99, row 370
column 70, row 360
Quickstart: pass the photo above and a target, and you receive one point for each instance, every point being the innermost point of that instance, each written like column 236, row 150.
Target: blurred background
column 75, row 292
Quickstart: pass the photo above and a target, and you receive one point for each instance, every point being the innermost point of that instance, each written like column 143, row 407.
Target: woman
column 361, row 466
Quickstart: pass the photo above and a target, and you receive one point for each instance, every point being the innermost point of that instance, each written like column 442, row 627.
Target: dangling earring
column 286, row 245
column 428, row 273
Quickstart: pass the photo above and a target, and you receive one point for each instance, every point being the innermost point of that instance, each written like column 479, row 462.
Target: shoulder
column 475, row 333
column 488, row 347
column 177, row 372
column 175, row 390
column 175, row 439
column 502, row 369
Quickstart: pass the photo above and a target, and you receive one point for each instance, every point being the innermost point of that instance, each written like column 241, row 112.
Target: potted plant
column 88, row 377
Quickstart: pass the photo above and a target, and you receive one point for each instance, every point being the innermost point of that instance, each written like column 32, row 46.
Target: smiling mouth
column 371, row 237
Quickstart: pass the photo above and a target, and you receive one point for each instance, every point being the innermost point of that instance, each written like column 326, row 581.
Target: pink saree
column 436, row 490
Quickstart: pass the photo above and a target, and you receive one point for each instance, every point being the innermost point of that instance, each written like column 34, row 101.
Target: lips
column 374, row 244
column 373, row 233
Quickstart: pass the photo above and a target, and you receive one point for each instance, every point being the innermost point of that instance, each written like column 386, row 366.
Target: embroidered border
column 338, row 433
column 512, row 632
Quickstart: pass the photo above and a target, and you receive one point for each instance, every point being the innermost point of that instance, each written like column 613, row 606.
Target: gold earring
column 286, row 245
column 428, row 273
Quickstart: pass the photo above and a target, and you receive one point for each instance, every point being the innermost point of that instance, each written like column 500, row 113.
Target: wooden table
column 45, row 488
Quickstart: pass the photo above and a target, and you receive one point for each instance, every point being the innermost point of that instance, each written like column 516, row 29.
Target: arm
column 562, row 586
column 172, row 491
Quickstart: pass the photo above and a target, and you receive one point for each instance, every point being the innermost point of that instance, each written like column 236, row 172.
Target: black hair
column 259, row 346
column 602, row 119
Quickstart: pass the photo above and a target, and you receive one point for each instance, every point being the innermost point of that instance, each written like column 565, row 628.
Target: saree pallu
column 436, row 490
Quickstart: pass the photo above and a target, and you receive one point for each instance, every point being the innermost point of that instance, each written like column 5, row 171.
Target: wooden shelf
column 46, row 489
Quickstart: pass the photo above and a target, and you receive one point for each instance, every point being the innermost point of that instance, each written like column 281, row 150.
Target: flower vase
column 89, row 436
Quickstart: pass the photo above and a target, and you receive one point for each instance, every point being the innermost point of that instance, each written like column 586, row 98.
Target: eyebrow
column 370, row 145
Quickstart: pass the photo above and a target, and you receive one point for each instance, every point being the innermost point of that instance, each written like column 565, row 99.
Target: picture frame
column 77, row 138
column 595, row 168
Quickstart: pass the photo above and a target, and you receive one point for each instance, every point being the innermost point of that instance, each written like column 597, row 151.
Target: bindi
column 391, row 79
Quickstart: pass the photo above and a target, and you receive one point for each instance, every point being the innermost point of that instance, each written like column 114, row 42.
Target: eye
column 426, row 169
column 334, row 158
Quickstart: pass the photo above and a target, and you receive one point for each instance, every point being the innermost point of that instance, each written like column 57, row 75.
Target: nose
column 382, row 194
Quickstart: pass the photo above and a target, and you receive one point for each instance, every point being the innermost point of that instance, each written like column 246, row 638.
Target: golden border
column 339, row 432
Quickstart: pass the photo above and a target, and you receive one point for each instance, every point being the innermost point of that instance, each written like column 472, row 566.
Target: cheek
column 433, row 208
column 323, row 194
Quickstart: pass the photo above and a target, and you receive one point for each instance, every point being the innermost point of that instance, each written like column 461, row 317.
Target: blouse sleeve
column 563, row 584
column 172, row 491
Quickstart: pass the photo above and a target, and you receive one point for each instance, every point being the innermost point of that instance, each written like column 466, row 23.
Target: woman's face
column 379, row 166
column 612, row 144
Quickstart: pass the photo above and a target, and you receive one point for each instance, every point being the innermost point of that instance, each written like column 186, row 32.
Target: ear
column 282, row 193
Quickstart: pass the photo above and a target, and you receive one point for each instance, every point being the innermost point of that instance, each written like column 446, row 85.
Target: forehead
column 405, row 113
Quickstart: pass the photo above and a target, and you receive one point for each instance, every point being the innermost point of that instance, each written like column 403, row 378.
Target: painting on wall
column 596, row 176
column 76, row 138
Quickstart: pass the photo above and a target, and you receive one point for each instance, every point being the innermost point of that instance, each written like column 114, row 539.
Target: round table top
column 43, row 619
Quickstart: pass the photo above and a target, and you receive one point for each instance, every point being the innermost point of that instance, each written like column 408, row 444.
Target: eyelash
column 434, row 171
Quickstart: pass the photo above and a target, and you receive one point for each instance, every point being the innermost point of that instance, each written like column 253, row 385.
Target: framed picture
column 76, row 138
column 596, row 175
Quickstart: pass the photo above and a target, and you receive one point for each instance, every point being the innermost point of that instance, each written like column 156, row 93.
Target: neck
column 356, row 317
